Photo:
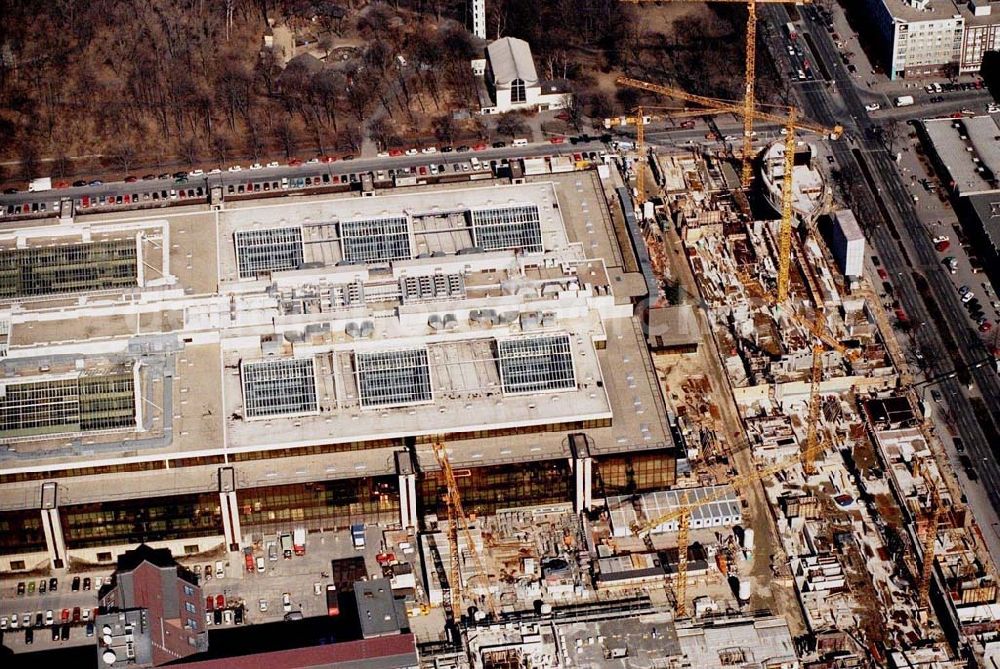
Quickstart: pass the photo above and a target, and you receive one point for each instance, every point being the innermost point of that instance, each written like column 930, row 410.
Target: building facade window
column 630, row 473
column 188, row 591
column 21, row 532
column 190, row 608
column 517, row 91
column 321, row 504
column 143, row 520
column 486, row 489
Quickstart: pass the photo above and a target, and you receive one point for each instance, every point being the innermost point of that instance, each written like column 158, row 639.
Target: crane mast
column 458, row 522
column 749, row 77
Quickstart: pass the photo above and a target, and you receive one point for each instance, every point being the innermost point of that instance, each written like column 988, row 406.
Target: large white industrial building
column 290, row 361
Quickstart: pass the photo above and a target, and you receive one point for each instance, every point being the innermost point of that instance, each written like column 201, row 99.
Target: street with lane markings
column 949, row 339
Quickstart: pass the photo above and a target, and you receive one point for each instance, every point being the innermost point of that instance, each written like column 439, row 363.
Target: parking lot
column 55, row 618
column 303, row 577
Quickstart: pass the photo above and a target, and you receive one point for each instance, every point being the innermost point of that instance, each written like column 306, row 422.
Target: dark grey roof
column 377, row 609
column 986, row 208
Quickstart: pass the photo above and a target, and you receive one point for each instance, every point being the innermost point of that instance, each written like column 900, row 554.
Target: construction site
column 613, row 414
column 814, row 519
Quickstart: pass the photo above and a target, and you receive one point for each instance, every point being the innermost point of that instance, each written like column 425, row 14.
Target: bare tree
column 221, row 148
column 28, row 155
column 189, row 150
column 381, row 132
column 253, row 146
column 124, row 155
column 350, row 138
column 511, row 124
column 444, row 128
column 61, row 164
column 285, row 135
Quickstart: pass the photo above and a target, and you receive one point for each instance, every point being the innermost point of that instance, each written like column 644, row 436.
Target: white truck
column 299, row 540
column 904, row 101
column 358, row 536
column 40, row 185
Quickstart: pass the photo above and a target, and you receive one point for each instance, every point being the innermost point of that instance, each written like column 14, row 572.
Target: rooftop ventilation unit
column 360, row 330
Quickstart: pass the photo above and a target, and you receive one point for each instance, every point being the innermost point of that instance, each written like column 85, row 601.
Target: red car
column 942, row 246
column 395, row 152
column 557, row 140
column 65, row 615
column 208, row 603
column 220, row 601
column 126, row 199
column 76, row 614
column 423, row 170
column 563, row 116
column 882, row 274
column 985, row 326
column 479, row 147
column 131, row 179
column 250, row 563
column 294, row 162
column 60, row 184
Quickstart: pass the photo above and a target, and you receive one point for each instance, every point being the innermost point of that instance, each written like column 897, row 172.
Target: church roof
column 510, row 59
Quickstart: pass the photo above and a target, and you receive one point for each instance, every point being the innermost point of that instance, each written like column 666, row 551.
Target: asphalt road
column 841, row 102
column 338, row 168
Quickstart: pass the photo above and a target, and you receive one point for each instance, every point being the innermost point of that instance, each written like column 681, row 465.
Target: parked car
column 286, row 602
column 75, row 585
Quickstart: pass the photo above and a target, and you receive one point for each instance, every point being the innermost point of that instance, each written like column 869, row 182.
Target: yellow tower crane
column 639, row 120
column 931, row 521
column 459, row 522
column 682, row 515
column 791, row 122
column 749, row 80
column 819, row 331
column 657, row 254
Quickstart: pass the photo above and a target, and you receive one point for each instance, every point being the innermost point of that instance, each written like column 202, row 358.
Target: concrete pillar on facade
column 55, row 540
column 583, row 468
column 407, row 489
column 230, row 509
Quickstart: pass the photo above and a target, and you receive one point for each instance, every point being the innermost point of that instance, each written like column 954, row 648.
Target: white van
column 519, row 142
